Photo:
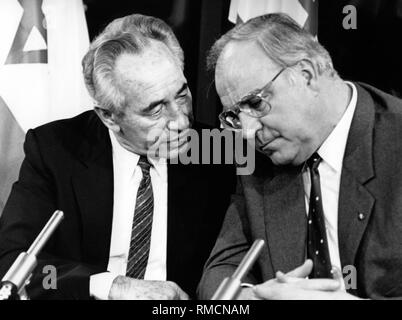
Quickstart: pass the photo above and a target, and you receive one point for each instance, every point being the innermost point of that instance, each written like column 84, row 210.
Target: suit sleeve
column 231, row 246
column 31, row 203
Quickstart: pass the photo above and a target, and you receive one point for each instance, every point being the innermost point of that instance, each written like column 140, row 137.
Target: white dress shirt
column 330, row 169
column 127, row 178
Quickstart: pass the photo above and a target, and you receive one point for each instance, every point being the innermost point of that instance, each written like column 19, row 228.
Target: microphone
column 229, row 288
column 13, row 283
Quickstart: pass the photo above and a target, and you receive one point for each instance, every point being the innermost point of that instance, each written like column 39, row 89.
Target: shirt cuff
column 100, row 284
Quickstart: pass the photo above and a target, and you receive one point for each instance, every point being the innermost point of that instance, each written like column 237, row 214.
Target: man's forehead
column 150, row 58
column 226, row 88
column 147, row 71
column 241, row 68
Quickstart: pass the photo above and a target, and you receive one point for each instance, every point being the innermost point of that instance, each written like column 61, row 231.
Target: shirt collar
column 333, row 148
column 129, row 160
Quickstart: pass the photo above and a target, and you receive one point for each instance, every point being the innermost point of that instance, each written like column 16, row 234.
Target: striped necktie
column 142, row 225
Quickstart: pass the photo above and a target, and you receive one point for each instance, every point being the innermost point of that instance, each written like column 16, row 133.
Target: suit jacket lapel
column 355, row 201
column 285, row 218
column 93, row 185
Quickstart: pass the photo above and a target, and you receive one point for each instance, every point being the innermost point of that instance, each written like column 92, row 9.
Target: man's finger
column 181, row 294
column 310, row 284
column 317, row 284
column 303, row 271
column 281, row 277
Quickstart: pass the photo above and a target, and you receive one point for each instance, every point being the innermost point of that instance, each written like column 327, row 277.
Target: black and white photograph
column 218, row 152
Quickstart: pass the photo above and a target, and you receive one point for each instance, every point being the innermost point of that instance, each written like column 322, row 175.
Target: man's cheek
column 155, row 135
column 152, row 140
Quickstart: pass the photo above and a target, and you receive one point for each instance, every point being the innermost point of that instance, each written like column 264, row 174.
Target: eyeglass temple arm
column 268, row 85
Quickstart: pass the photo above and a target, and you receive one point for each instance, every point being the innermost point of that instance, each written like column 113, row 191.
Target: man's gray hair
column 283, row 40
column 131, row 34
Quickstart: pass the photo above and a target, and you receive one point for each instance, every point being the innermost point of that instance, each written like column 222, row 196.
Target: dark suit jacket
column 270, row 205
column 68, row 166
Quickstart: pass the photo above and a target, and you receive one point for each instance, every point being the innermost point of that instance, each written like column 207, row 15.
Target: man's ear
column 310, row 74
column 108, row 118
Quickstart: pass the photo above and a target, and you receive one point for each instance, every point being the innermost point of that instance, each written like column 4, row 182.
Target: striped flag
column 42, row 43
column 304, row 12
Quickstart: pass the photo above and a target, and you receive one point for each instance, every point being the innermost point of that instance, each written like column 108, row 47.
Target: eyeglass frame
column 260, row 93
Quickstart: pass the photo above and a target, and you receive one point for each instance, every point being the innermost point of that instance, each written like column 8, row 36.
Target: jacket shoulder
column 384, row 102
column 63, row 138
column 77, row 125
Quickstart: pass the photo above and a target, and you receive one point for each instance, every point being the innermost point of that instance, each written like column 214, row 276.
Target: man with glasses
column 137, row 225
column 326, row 193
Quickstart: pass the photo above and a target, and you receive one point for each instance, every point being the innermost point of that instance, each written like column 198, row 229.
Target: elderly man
column 326, row 193
column 136, row 226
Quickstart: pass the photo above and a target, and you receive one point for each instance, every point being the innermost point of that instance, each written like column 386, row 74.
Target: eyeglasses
column 255, row 104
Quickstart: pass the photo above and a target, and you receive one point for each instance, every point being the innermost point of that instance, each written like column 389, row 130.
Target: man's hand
column 125, row 288
column 295, row 286
column 247, row 294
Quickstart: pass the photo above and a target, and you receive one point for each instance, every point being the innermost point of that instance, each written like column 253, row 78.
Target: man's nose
column 179, row 118
column 250, row 126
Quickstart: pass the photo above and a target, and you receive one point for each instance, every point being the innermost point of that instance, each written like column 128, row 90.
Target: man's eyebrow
column 183, row 88
column 153, row 105
column 158, row 102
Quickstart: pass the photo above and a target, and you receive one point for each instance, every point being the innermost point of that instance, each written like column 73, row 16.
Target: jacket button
column 361, row 216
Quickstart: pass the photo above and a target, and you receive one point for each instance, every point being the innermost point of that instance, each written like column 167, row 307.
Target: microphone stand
column 229, row 288
column 12, row 286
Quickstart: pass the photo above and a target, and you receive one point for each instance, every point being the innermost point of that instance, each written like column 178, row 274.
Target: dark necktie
column 142, row 225
column 317, row 244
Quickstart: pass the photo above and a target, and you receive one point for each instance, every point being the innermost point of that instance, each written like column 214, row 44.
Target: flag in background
column 305, row 12
column 42, row 43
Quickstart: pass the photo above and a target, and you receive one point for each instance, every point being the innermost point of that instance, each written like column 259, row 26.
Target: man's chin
column 279, row 159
